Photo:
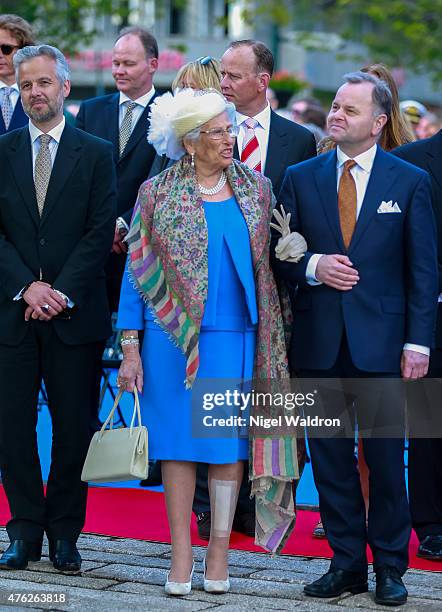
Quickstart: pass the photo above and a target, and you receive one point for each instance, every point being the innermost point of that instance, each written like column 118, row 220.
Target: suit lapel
column 378, row 183
column 20, row 157
column 139, row 131
column 110, row 118
column 19, row 117
column 276, row 149
column 434, row 159
column 68, row 154
column 325, row 177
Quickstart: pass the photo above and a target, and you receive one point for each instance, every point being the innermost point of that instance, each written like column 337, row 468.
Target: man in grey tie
column 15, row 33
column 57, row 214
column 123, row 119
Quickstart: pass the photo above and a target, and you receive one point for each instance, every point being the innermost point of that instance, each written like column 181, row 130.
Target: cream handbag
column 118, row 454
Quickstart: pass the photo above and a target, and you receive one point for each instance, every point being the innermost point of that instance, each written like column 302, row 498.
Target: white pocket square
column 389, row 207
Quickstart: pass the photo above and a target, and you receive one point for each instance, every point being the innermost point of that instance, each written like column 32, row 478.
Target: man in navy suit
column 425, row 454
column 366, row 305
column 123, row 119
column 15, row 33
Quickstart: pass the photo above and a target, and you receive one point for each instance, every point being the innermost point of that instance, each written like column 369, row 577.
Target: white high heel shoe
column 179, row 588
column 215, row 586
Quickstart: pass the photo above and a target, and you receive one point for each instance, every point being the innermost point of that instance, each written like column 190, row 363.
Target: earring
column 193, row 160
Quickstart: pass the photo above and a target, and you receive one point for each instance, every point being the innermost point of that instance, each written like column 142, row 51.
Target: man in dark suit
column 266, row 141
column 425, row 454
column 15, row 33
column 269, row 145
column 366, row 305
column 123, row 119
column 57, row 214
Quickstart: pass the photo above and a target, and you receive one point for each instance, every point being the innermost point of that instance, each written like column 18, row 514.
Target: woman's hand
column 130, row 373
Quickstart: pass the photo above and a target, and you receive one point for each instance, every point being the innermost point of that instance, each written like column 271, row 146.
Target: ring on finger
column 45, row 307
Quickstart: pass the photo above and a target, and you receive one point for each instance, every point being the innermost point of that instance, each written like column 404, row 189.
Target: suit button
column 42, row 241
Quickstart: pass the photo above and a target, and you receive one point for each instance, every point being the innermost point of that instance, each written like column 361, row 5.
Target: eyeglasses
column 219, row 133
column 205, row 59
column 8, row 49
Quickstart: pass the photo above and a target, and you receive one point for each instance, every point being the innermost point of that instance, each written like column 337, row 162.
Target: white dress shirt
column 55, row 135
column 14, row 95
column 138, row 110
column 262, row 132
column 361, row 174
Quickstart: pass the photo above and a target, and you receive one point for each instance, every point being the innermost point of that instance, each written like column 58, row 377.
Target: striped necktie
column 251, row 155
column 6, row 105
column 126, row 126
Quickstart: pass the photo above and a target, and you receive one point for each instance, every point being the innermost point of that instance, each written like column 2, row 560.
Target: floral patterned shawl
column 168, row 245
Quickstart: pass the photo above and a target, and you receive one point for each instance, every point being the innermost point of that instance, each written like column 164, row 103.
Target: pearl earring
column 193, row 160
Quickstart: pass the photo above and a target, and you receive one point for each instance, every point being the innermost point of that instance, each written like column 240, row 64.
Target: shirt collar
column 142, row 100
column 263, row 118
column 364, row 160
column 14, row 86
column 55, row 133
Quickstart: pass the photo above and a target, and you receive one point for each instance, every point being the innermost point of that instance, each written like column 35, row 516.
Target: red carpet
column 131, row 513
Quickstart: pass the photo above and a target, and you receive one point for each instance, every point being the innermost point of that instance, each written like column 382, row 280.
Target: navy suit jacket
column 427, row 154
column 395, row 300
column 99, row 117
column 19, row 119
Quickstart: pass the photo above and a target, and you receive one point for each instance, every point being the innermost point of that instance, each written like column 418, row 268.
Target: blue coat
column 395, row 300
column 19, row 119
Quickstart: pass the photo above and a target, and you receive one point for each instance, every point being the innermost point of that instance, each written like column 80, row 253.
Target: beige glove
column 291, row 246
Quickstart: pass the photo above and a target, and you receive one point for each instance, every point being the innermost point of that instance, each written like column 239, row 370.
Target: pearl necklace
column 217, row 188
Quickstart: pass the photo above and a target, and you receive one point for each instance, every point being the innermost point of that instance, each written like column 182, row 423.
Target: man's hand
column 337, row 271
column 414, row 365
column 43, row 302
column 118, row 245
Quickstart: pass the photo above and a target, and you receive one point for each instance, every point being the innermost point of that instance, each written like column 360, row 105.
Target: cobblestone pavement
column 120, row 574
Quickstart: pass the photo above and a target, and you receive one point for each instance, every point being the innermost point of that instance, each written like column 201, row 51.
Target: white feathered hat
column 172, row 116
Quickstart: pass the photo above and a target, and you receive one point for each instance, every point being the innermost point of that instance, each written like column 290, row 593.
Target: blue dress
column 226, row 344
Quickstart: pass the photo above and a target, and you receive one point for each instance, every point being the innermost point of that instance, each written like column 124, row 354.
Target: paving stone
column 88, row 599
column 123, row 575
column 197, row 594
column 53, row 578
column 297, row 576
column 133, row 573
column 366, row 600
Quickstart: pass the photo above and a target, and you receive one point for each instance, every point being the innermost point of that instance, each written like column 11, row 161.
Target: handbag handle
column 136, row 412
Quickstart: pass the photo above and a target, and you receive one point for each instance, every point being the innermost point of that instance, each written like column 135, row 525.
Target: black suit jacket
column 427, row 154
column 70, row 242
column 19, row 119
column 289, row 144
column 99, row 117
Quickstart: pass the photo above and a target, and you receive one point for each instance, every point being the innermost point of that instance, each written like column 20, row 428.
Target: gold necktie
column 347, row 200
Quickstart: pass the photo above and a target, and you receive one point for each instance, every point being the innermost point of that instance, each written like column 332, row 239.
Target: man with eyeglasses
column 15, row 33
